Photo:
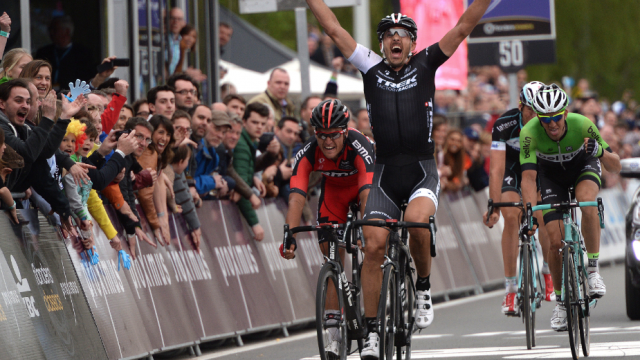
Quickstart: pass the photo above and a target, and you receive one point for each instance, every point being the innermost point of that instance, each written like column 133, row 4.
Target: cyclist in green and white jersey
column 565, row 149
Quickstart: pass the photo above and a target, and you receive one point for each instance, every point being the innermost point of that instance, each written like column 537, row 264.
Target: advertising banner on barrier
column 44, row 312
column 484, row 252
column 450, row 269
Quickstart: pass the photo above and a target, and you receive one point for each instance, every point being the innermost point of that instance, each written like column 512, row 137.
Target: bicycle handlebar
column 492, row 206
column 569, row 205
column 395, row 224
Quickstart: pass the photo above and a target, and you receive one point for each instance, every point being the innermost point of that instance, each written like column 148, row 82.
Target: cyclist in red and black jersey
column 345, row 158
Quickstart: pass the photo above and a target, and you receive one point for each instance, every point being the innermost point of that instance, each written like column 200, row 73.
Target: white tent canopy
column 249, row 83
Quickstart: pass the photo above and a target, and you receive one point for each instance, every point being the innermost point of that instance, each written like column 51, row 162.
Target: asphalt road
column 474, row 327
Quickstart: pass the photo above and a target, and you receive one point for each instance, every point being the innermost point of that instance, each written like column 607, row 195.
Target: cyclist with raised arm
column 505, row 179
column 564, row 150
column 345, row 158
column 399, row 89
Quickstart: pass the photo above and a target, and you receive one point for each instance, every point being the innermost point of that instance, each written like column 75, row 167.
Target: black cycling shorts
column 555, row 184
column 394, row 185
column 512, row 179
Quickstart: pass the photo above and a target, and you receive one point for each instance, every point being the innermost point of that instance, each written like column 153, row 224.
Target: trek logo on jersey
column 506, row 125
column 548, row 191
column 527, row 147
column 397, row 87
column 407, row 74
column 363, row 152
column 569, row 148
column 508, row 179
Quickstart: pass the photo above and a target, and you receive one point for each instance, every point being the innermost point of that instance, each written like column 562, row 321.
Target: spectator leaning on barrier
column 235, row 104
column 254, row 119
column 225, row 152
column 182, row 132
column 125, row 114
column 287, row 133
column 452, row 171
column 276, row 94
column 162, row 100
column 141, row 131
column 185, row 91
column 5, row 194
column 183, row 198
column 306, row 109
column 476, row 173
column 205, row 177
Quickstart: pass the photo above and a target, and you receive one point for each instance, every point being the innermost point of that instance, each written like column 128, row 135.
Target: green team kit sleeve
column 528, row 145
column 589, row 130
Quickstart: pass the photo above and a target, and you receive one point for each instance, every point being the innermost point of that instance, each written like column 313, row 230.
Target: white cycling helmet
column 550, row 99
column 528, row 91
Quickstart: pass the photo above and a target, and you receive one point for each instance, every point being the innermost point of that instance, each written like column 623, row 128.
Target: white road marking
column 608, row 349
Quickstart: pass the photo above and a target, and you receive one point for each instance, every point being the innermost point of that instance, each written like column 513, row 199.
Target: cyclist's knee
column 375, row 246
column 419, row 234
column 511, row 215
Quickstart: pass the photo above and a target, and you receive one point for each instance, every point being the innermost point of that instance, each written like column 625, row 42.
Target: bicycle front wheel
column 330, row 330
column 528, row 300
column 387, row 313
column 571, row 300
column 406, row 314
column 585, row 336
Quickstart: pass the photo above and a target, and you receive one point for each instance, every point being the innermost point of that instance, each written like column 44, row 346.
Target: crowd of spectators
column 170, row 152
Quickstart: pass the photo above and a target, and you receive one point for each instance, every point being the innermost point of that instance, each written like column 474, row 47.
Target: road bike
column 332, row 278
column 575, row 286
column 530, row 282
column 396, row 309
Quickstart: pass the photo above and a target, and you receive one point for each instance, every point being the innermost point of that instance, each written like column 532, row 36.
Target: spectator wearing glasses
column 162, row 101
column 141, row 131
column 185, row 91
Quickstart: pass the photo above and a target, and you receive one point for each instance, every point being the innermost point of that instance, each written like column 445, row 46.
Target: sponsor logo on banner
column 235, row 261
column 103, row 279
column 23, row 287
column 189, row 265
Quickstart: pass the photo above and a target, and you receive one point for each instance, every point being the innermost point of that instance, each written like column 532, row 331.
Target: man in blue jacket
column 207, row 159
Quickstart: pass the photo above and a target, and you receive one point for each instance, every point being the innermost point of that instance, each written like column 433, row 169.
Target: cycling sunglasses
column 332, row 135
column 547, row 119
column 401, row 32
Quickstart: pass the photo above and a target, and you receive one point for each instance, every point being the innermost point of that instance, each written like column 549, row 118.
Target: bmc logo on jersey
column 299, row 155
column 397, row 87
column 339, row 173
column 363, row 152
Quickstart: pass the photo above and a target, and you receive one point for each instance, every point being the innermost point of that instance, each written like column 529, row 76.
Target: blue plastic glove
column 75, row 91
column 126, row 260
column 93, row 253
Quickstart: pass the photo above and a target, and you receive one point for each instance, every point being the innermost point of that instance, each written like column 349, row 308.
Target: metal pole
column 362, row 23
column 208, row 47
column 513, row 90
column 134, row 49
column 303, row 51
column 25, row 24
column 215, row 82
column 149, row 45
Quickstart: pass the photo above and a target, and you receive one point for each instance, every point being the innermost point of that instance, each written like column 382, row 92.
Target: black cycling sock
column 372, row 324
column 423, row 283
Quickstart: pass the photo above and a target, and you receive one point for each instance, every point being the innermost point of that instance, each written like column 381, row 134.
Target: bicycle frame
column 572, row 239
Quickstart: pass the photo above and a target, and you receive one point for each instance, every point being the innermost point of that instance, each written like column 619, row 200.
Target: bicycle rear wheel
column 528, row 300
column 571, row 298
column 585, row 314
column 406, row 314
column 387, row 313
column 328, row 279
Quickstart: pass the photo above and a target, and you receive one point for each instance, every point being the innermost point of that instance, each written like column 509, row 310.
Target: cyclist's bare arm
column 496, row 172
column 611, row 162
column 467, row 22
column 529, row 188
column 294, row 213
column 329, row 22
